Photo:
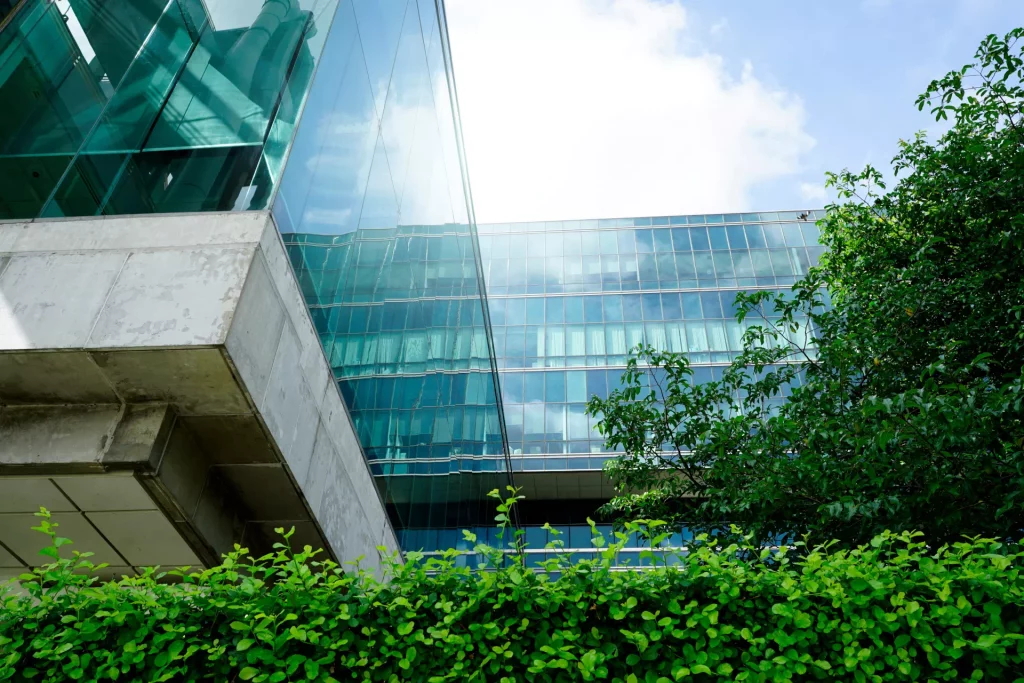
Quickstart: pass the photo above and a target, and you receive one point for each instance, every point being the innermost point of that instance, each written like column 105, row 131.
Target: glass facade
column 569, row 299
column 143, row 106
column 340, row 117
column 375, row 211
column 155, row 106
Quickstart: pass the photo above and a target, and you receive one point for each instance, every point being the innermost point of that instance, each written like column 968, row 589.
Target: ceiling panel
column 106, row 492
column 27, row 494
column 17, row 534
column 145, row 538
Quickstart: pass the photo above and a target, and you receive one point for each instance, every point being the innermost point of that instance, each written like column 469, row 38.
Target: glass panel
column 178, row 108
column 59, row 66
column 377, row 223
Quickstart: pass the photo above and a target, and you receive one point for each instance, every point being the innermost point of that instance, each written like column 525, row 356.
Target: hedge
column 890, row 610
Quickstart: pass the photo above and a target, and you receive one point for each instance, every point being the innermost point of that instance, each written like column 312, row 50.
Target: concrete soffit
column 163, row 389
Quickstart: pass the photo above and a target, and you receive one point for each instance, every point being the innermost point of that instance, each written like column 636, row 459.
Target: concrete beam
column 178, row 349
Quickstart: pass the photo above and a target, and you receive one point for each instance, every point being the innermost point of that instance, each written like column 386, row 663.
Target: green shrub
column 890, row 610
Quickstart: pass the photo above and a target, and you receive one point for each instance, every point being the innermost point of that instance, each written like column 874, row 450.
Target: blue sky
column 586, row 108
column 858, row 67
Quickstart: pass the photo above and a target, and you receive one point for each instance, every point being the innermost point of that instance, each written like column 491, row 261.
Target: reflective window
column 151, row 106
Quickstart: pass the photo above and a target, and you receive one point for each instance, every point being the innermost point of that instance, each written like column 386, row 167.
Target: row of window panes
column 435, row 390
column 373, row 234
column 435, row 460
column 540, row 456
column 388, row 353
column 412, row 351
column 446, row 459
column 380, row 251
column 466, row 315
column 668, row 268
column 642, row 286
column 699, row 219
column 569, row 536
column 463, row 314
column 618, row 339
column 441, row 409
column 557, row 425
column 552, row 423
column 395, row 281
column 661, row 240
column 440, row 443
column 574, row 386
column 594, row 361
column 655, row 306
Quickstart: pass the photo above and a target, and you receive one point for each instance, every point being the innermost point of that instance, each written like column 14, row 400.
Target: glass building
column 566, row 302
column 340, row 118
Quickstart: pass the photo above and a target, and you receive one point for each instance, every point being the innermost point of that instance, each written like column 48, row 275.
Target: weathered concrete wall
column 200, row 314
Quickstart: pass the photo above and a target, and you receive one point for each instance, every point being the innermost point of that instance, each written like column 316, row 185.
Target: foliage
column 890, row 610
column 886, row 390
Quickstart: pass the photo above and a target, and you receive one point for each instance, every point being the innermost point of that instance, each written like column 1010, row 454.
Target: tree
column 885, row 390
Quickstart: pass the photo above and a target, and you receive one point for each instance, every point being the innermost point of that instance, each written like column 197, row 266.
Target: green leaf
column 247, row 673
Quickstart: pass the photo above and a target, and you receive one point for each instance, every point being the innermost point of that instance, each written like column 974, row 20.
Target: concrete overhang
column 163, row 391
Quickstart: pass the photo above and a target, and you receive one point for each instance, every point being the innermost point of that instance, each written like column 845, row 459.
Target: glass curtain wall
column 378, row 225
column 140, row 106
column 146, row 106
column 569, row 299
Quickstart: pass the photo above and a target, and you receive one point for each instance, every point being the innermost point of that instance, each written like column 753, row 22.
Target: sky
column 607, row 108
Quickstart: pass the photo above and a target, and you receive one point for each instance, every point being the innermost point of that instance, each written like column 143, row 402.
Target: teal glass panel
column 141, row 106
column 105, row 159
column 60, row 63
column 374, row 211
column 329, row 164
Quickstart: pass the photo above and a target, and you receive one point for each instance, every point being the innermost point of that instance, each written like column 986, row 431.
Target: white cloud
column 591, row 108
column 812, row 192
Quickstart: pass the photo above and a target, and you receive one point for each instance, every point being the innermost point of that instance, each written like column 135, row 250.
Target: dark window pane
column 670, row 307
column 718, row 238
column 631, row 307
column 755, row 238
column 691, row 306
column 627, row 245
column 737, row 239
column 511, row 387
column 555, row 312
column 554, row 387
column 712, row 305
column 534, row 387
column 681, row 239
column 613, row 308
column 574, row 309
column 597, row 384
column 652, row 306
column 535, row 311
column 699, row 239
column 663, row 240
column 644, row 241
